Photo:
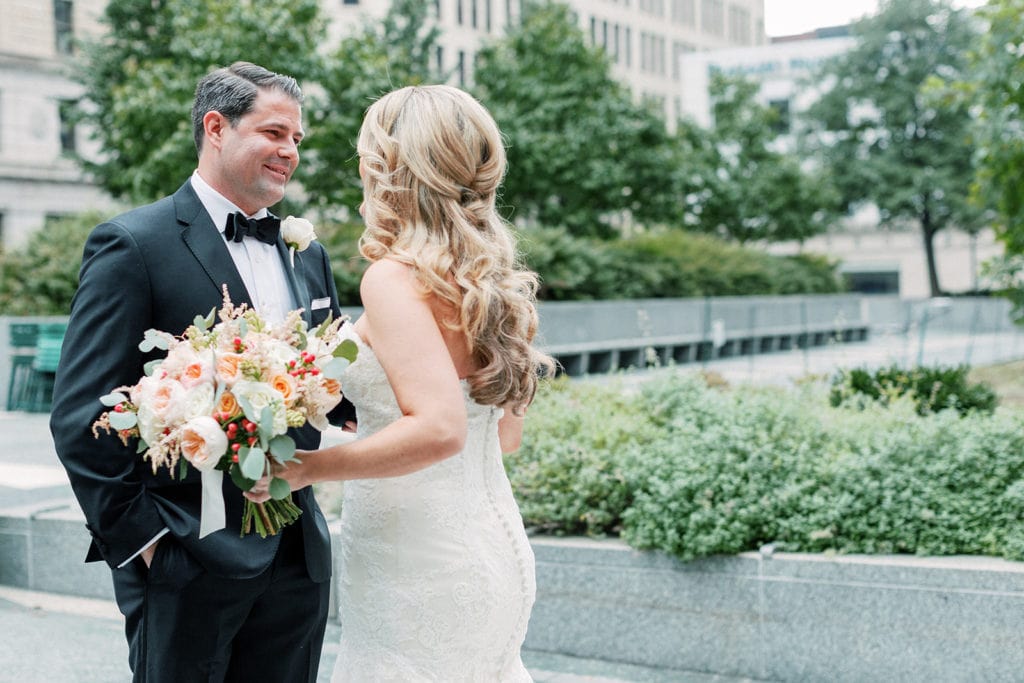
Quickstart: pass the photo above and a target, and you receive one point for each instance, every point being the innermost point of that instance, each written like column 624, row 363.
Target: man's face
column 259, row 154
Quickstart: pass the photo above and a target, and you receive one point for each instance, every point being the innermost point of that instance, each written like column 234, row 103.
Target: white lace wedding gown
column 437, row 575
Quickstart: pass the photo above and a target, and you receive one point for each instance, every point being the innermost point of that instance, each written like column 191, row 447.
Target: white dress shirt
column 260, row 265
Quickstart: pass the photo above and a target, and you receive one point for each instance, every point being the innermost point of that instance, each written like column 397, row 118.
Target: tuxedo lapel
column 296, row 280
column 207, row 245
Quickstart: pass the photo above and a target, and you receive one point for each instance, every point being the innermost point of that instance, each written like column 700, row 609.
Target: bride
column 437, row 577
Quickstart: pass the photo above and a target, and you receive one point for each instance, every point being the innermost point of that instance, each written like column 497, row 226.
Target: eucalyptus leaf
column 152, row 365
column 243, row 328
column 113, row 398
column 253, row 463
column 199, row 322
column 266, row 426
column 322, row 327
column 335, row 368
column 279, row 489
column 347, row 350
column 282, row 447
column 121, row 421
column 239, row 479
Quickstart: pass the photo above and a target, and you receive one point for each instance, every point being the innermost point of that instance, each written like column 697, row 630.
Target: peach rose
column 203, row 443
column 228, row 404
column 228, row 365
column 285, row 384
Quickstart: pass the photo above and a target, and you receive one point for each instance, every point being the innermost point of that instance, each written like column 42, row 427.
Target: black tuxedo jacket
column 158, row 266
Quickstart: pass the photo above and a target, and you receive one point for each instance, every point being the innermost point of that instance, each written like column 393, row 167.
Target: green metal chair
column 23, row 337
column 38, row 393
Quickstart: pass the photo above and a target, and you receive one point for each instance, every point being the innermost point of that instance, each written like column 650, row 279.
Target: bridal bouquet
column 223, row 399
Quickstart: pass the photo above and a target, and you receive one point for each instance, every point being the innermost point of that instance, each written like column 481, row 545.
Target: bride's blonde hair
column 432, row 160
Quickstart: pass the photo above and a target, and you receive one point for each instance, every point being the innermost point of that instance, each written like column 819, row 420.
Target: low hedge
column 694, row 471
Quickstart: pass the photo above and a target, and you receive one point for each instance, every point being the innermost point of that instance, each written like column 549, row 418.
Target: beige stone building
column 38, row 179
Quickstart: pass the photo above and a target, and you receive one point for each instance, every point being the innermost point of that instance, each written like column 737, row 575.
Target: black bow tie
column 264, row 229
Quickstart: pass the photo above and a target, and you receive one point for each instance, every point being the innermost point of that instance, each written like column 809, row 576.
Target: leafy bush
column 41, row 278
column 695, row 471
column 931, row 388
column 672, row 263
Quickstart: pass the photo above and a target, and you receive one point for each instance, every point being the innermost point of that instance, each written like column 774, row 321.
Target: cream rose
column 257, row 396
column 160, row 402
column 203, row 442
column 298, row 233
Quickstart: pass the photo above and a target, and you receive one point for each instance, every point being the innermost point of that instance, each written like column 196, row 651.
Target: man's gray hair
column 232, row 91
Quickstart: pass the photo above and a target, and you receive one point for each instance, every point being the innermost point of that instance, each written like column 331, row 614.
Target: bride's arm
column 399, row 324
column 510, row 430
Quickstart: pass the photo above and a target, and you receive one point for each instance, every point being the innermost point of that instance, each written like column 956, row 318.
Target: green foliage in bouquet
column 930, row 388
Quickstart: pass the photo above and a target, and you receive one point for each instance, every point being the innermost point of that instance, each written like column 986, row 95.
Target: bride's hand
column 260, row 492
column 291, row 473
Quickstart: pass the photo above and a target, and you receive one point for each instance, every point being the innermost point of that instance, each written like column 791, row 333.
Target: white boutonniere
column 298, row 234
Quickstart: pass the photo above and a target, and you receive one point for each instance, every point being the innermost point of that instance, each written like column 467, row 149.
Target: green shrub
column 666, row 264
column 694, row 471
column 931, row 388
column 41, row 278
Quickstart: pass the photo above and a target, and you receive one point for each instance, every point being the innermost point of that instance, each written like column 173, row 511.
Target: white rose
column 255, row 396
column 203, row 442
column 298, row 233
column 277, row 354
column 160, row 401
column 197, row 401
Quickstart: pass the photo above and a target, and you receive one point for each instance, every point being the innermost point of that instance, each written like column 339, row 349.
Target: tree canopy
column 750, row 190
column 580, row 151
column 998, row 96
column 887, row 135
column 384, row 55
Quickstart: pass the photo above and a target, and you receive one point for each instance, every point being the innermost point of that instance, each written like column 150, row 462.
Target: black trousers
column 184, row 625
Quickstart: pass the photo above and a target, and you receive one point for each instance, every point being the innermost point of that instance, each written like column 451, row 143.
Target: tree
column 140, row 76
column 386, row 54
column 580, row 151
column 886, row 135
column 750, row 191
column 995, row 87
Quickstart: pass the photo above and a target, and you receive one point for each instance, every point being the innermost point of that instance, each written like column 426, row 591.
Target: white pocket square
column 320, row 303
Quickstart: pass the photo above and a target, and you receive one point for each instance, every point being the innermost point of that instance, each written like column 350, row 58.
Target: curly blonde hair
column 432, row 160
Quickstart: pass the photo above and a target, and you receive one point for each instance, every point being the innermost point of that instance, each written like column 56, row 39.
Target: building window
column 439, row 59
column 684, row 12
column 458, row 12
column 1, row 227
column 487, row 15
column 461, row 68
column 66, row 110
column 593, row 30
column 350, row 2
column 712, row 17
column 739, row 25
column 437, row 9
column 63, row 26
column 472, row 14
column 629, row 46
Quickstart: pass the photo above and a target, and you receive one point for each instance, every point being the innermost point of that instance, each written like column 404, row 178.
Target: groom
column 223, row 608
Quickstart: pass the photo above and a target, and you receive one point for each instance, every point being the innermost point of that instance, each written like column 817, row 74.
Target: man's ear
column 214, row 124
